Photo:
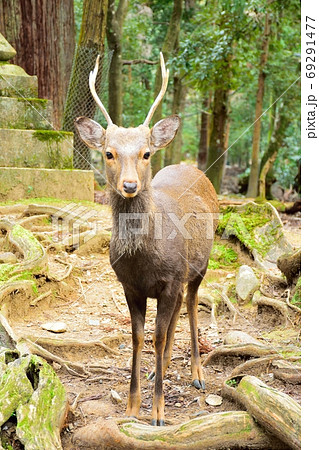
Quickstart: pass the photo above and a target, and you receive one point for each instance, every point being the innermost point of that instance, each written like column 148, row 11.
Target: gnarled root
column 232, row 430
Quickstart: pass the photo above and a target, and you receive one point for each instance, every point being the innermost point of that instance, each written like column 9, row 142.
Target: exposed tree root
column 290, row 265
column 255, row 366
column 275, row 411
column 34, row 255
column 231, row 430
column 40, row 297
column 245, row 350
column 209, row 300
column 105, row 343
column 275, row 304
column 12, row 286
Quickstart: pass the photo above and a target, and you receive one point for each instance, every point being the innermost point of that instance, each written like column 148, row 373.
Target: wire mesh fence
column 80, row 102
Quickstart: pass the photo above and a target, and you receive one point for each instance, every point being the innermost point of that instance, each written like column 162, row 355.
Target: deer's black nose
column 130, row 188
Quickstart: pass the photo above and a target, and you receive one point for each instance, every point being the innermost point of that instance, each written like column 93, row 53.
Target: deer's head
column 127, row 151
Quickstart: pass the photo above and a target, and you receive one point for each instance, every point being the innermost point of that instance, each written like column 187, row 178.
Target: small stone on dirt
column 214, row 400
column 54, row 327
column 115, row 396
column 95, row 322
column 246, row 283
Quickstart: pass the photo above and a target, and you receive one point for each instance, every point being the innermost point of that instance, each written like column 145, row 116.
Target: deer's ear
column 164, row 131
column 91, row 133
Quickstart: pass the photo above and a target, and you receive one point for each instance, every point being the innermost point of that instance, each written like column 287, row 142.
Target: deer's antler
column 92, row 80
column 165, row 74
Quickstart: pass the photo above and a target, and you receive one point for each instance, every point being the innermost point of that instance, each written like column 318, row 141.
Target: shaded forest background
column 230, row 61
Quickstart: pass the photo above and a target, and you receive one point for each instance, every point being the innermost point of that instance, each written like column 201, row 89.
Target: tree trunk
column 173, row 152
column 169, row 44
column 275, row 143
column 204, row 133
column 115, row 20
column 254, row 168
column 79, row 100
column 217, row 154
column 43, row 34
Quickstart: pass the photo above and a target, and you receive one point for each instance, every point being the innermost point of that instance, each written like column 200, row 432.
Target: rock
column 214, row 400
column 116, row 398
column 54, row 327
column 246, row 283
column 6, row 50
column 8, row 258
column 257, row 227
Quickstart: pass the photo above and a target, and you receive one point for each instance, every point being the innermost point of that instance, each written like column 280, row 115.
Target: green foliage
column 219, row 46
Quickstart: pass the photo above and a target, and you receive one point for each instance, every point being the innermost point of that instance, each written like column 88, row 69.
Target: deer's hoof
column 159, row 423
column 199, row 384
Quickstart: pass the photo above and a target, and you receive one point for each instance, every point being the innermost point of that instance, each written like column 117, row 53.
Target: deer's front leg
column 137, row 307
column 165, row 309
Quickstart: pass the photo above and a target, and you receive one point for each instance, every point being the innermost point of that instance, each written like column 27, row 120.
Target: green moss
column 296, row 299
column 242, row 223
column 51, row 135
column 222, row 256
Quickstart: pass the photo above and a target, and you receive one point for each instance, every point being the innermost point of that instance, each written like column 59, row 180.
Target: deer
column 162, row 235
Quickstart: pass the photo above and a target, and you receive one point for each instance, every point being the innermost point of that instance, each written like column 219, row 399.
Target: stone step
column 6, row 50
column 25, row 113
column 17, row 183
column 15, row 82
column 36, row 148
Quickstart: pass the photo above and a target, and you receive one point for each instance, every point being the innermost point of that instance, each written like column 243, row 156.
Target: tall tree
column 115, row 21
column 43, row 34
column 204, row 134
column 168, row 46
column 79, row 99
column 254, row 168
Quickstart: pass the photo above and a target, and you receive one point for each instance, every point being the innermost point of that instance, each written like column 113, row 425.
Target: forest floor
column 92, row 305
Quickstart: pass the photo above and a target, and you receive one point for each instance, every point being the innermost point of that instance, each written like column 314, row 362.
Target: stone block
column 15, row 82
column 18, row 183
column 25, row 113
column 39, row 148
column 6, row 50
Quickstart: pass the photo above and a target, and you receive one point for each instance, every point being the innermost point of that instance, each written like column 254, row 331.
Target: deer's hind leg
column 192, row 304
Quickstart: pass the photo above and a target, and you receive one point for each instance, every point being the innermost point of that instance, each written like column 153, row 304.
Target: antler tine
column 92, row 80
column 165, row 75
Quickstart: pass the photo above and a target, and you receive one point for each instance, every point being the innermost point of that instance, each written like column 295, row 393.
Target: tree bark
column 79, row 100
column 204, row 133
column 169, row 44
column 254, row 168
column 115, row 20
column 43, row 34
column 217, row 154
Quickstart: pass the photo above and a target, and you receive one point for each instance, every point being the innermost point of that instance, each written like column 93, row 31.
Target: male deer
column 161, row 237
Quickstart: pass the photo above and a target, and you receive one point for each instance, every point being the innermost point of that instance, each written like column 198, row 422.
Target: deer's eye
column 109, row 155
column 146, row 155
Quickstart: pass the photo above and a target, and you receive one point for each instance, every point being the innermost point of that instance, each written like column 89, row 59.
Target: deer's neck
column 132, row 221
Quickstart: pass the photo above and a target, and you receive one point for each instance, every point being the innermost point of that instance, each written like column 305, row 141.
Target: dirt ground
column 91, row 303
